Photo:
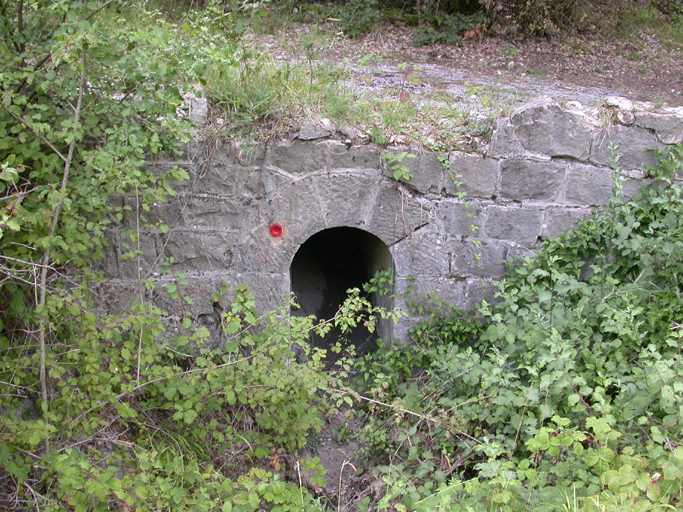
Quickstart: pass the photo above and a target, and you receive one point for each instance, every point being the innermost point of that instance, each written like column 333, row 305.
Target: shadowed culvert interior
column 327, row 265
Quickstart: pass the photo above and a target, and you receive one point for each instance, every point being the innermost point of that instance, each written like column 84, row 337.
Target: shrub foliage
column 562, row 394
column 111, row 412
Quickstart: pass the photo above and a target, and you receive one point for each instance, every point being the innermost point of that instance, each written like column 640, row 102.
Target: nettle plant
column 564, row 393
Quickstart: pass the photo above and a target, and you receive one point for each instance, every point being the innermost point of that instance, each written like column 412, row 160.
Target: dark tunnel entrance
column 326, row 266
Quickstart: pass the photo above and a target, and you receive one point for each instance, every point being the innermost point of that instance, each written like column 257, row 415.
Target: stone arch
column 329, row 263
column 306, row 205
column 328, row 200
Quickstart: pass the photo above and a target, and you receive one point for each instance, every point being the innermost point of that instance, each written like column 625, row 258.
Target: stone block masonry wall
column 546, row 167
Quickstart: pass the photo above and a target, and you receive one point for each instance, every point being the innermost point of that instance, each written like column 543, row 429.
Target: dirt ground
column 582, row 67
column 642, row 72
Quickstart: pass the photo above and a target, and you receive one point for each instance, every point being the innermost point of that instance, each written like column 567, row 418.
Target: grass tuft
column 259, row 91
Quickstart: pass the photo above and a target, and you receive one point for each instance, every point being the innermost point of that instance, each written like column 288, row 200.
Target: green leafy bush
column 358, row 17
column 564, row 392
column 113, row 412
column 669, row 6
column 542, row 17
column 150, row 424
column 395, row 162
column 442, row 28
column 436, row 22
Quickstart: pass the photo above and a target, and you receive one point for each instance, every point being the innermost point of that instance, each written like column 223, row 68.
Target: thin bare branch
column 20, row 24
column 47, row 255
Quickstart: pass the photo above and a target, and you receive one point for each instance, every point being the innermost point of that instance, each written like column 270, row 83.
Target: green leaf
column 172, row 291
column 18, row 469
column 543, row 440
column 190, row 416
column 598, row 425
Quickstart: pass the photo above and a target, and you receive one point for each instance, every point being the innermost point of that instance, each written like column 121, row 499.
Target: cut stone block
column 521, row 225
column 543, row 127
column 522, row 180
column 477, row 175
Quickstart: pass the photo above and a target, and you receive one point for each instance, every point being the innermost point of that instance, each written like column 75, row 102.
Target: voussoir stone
column 423, row 253
column 396, row 214
column 347, row 198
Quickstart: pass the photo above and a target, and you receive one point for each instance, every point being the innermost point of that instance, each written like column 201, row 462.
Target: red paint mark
column 276, row 230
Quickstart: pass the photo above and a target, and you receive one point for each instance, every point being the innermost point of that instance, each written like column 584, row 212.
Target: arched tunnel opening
column 327, row 265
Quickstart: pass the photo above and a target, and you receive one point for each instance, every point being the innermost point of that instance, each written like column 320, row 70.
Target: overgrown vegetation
column 562, row 394
column 438, row 21
column 262, row 97
column 102, row 412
